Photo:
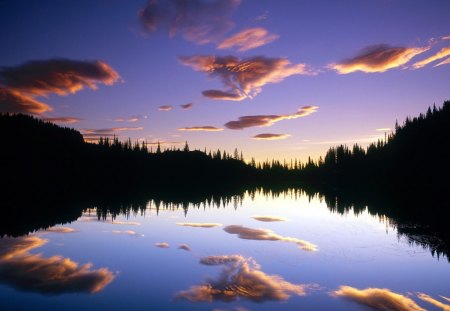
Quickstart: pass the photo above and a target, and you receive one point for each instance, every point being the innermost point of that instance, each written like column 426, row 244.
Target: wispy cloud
column 199, row 224
column 268, row 120
column 444, row 62
column 270, row 136
column 51, row 276
column 437, row 303
column 269, row 218
column 131, row 119
column 248, row 39
column 15, row 102
column 267, row 235
column 20, row 84
column 444, row 52
column 126, row 223
column 127, row 232
column 165, row 108
column 185, row 247
column 61, row 230
column 187, row 106
column 162, row 245
column 206, row 128
column 378, row 58
column 68, row 120
column 197, row 21
column 109, row 130
column 243, row 78
column 241, row 278
column 378, row 299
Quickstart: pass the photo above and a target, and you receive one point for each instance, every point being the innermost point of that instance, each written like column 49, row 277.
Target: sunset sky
column 275, row 79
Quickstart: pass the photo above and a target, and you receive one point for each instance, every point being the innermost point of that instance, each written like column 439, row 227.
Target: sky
column 274, row 79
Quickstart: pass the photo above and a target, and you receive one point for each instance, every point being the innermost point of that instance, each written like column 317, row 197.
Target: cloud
column 248, row 39
column 109, row 131
column 444, row 52
column 128, row 223
column 434, row 302
column 187, row 106
column 205, row 128
column 444, row 62
column 127, row 232
column 68, row 120
column 269, row 218
column 196, row 20
column 58, row 76
column 268, row 120
column 378, row 58
column 20, row 84
column 267, row 235
column 54, row 275
column 243, row 78
column 241, row 278
column 443, row 297
column 15, row 102
column 130, row 119
column 61, row 230
column 378, row 299
column 162, row 245
column 383, row 129
column 184, row 247
column 270, row 136
column 199, row 224
column 165, row 108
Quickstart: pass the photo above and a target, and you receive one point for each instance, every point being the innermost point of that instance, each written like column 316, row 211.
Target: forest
column 40, row 158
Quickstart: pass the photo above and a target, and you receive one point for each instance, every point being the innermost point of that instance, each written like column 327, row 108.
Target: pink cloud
column 165, row 108
column 270, row 136
column 268, row 120
column 206, row 128
column 187, row 106
column 248, row 39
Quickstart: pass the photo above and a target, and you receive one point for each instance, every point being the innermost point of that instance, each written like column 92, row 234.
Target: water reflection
column 378, row 299
column 199, row 225
column 405, row 212
column 241, row 278
column 54, row 275
column 268, row 235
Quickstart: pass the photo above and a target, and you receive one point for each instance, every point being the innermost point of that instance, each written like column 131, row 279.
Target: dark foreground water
column 251, row 252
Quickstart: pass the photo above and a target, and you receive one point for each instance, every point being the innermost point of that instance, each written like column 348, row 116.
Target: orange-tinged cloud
column 165, row 108
column 68, row 120
column 199, row 224
column 270, row 136
column 162, row 245
column 243, row 78
column 131, row 119
column 267, row 235
column 444, row 52
column 268, row 120
column 205, row 128
column 187, row 106
column 444, row 62
column 269, row 218
column 13, row 101
column 58, row 76
column 185, row 247
column 241, row 278
column 20, row 84
column 378, row 299
column 61, row 230
column 378, row 58
column 437, row 303
column 51, row 276
column 248, row 39
column 197, row 21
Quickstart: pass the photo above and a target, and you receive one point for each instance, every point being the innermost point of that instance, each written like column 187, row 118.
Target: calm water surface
column 252, row 253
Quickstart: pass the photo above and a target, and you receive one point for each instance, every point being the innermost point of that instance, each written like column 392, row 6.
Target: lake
column 259, row 250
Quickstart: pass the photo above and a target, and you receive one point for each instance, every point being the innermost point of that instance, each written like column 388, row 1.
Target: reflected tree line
column 49, row 173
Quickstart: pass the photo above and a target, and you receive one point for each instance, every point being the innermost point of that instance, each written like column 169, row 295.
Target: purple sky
column 275, row 79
